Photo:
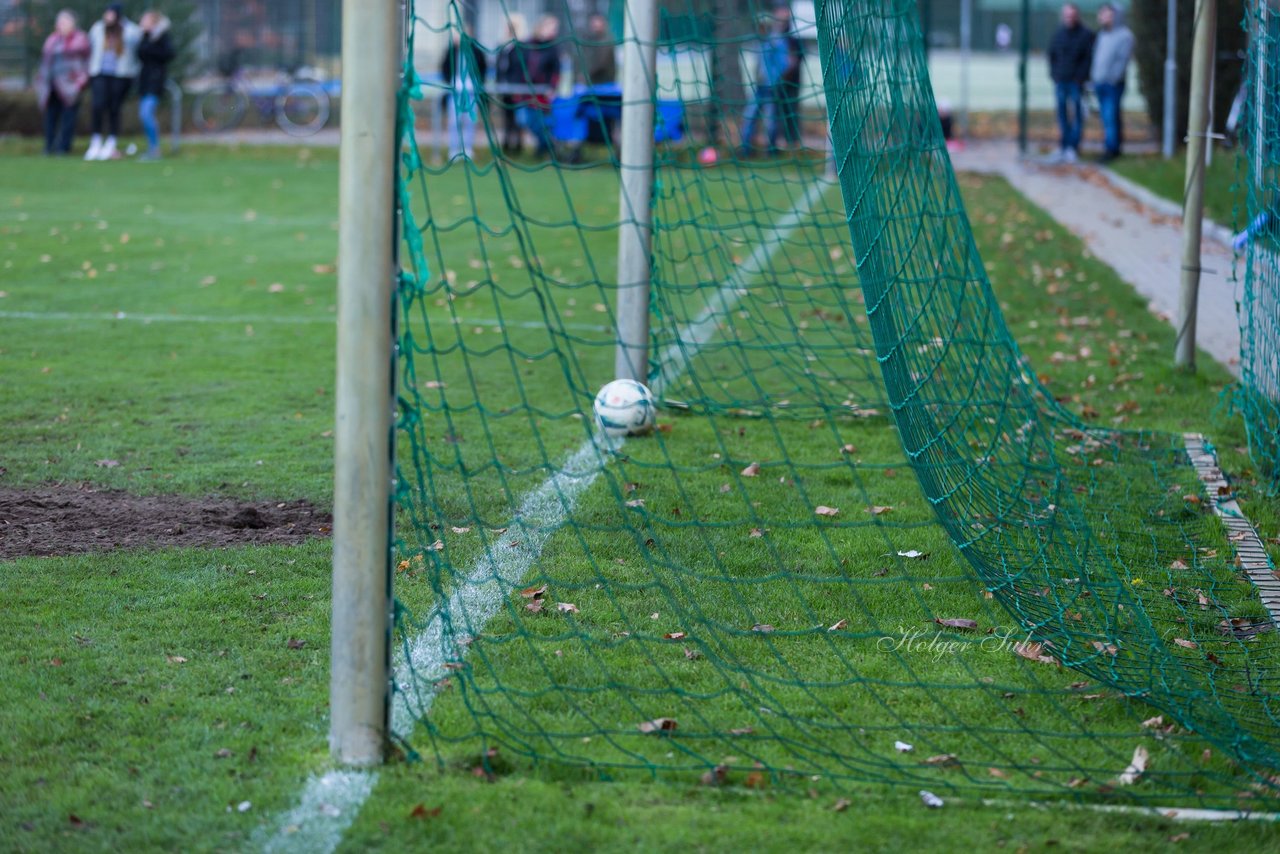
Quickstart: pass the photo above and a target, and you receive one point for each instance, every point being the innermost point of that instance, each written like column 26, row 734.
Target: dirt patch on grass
column 63, row 520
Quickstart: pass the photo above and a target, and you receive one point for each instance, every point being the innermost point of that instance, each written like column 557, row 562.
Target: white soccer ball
column 625, row 408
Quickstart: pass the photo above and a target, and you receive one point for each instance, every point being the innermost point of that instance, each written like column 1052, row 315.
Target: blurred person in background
column 113, row 65
column 63, row 75
column 463, row 69
column 512, row 72
column 1070, row 57
column 155, row 52
column 1112, row 49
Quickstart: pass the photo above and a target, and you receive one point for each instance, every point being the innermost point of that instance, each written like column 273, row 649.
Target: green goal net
column 864, row 546
column 1257, row 129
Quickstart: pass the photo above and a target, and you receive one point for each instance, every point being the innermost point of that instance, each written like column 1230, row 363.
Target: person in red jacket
column 64, row 72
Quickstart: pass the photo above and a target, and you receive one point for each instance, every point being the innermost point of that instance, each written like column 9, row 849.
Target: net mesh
column 864, row 545
column 1258, row 131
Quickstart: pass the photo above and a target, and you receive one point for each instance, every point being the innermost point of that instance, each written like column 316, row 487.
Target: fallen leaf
column 1157, row 722
column 957, row 623
column 751, row 470
column 716, row 776
column 1186, row 643
column 996, row 772
column 823, row 510
column 1033, row 650
column 175, row 659
column 879, row 509
column 294, row 643
column 762, row 628
column 421, row 811
column 224, row 753
column 1108, row 648
column 106, row 464
column 1180, row 837
column 692, row 654
column 534, row 592
column 756, row 532
column 535, row 606
column 842, row 624
column 746, row 730
column 673, row 636
column 566, row 608
column 841, row 805
column 755, row 780
column 943, row 760
column 658, row 725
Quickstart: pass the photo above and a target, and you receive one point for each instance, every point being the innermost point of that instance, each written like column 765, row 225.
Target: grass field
column 178, row 318
column 1167, row 178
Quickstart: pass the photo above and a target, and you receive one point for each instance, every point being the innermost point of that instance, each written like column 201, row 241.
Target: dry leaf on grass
column 658, row 725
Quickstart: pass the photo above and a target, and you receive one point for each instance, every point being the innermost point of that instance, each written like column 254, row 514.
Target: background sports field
column 177, row 320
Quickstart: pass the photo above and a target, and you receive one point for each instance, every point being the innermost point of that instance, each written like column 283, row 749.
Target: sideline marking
column 267, row 319
column 481, row 593
column 1248, row 547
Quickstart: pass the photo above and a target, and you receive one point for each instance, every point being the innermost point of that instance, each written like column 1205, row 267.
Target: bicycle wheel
column 302, row 109
column 220, row 109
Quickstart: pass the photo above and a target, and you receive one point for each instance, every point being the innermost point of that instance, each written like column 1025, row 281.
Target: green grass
column 1224, row 202
column 81, row 741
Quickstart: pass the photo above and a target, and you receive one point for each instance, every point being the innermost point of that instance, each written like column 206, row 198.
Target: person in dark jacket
column 543, row 57
column 512, row 73
column 463, row 69
column 155, row 52
column 1070, row 58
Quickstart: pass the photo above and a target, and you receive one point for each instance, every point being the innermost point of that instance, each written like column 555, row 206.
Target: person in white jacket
column 113, row 65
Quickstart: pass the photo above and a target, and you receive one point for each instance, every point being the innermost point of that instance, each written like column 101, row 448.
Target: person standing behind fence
column 770, row 66
column 543, row 56
column 155, row 52
column 1070, row 53
column 463, row 69
column 788, row 94
column 64, row 72
column 1112, row 49
column 600, row 60
column 113, row 64
column 512, row 73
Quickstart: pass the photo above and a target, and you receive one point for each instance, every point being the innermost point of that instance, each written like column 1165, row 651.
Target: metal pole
column 966, row 50
column 1170, row 79
column 358, row 687
column 1193, row 201
column 1024, row 50
column 175, row 115
column 639, row 55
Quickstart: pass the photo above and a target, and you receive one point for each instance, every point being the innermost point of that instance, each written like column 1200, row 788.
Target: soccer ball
column 625, row 408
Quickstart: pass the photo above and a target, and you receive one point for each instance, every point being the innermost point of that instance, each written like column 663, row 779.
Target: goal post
column 364, row 391
column 635, row 162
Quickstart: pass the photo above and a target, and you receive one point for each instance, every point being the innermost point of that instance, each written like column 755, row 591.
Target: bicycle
column 300, row 106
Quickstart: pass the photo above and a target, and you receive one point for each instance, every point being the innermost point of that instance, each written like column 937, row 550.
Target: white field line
column 480, row 594
column 324, row 812
column 268, row 319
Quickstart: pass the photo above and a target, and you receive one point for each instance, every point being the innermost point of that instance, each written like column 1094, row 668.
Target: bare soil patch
column 64, row 520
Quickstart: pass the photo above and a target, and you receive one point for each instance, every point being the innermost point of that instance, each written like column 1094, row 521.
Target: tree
column 1147, row 20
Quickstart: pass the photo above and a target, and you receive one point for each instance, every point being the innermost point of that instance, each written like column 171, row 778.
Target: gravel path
column 1133, row 232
